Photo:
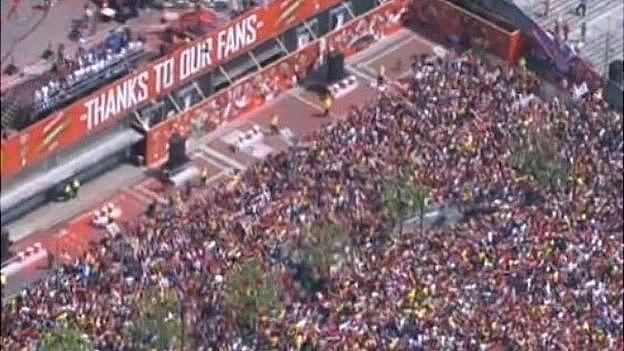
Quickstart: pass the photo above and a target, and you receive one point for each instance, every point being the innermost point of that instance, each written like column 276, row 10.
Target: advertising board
column 448, row 21
column 111, row 103
column 257, row 89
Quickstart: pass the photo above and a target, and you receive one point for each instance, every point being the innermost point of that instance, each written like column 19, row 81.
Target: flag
column 580, row 90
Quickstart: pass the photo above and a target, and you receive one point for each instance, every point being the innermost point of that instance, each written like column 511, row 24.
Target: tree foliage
column 158, row 324
column 536, row 157
column 66, row 337
column 326, row 241
column 252, row 291
column 403, row 197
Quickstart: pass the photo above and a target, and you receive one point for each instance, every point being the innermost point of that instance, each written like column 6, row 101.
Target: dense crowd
column 541, row 268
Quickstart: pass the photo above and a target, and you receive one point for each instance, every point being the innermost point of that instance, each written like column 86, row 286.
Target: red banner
column 109, row 104
column 257, row 89
column 364, row 31
column 232, row 102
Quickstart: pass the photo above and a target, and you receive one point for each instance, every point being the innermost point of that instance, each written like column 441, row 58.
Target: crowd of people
column 87, row 64
column 540, row 268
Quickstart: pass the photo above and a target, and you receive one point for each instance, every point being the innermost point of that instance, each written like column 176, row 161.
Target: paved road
column 445, row 216
column 26, row 33
column 604, row 19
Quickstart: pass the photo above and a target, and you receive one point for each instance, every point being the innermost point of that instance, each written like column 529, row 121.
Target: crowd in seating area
column 541, row 269
column 87, row 64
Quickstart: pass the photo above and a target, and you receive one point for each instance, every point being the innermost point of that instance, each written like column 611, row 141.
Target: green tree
column 159, row 321
column 65, row 338
column 251, row 291
column 392, row 206
column 326, row 241
column 402, row 197
column 536, row 156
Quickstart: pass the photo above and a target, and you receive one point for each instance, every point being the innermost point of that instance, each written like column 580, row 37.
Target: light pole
column 606, row 55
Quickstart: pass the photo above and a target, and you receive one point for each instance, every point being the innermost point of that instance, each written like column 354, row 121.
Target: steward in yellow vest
column 274, row 124
column 381, row 75
column 68, row 191
column 75, row 185
column 204, row 175
column 328, row 101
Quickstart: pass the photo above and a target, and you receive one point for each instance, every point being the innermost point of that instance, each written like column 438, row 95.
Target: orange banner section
column 231, row 103
column 265, row 85
column 114, row 101
column 448, row 21
column 361, row 32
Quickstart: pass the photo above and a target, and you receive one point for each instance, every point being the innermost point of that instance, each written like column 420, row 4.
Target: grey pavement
column 604, row 21
column 40, row 271
column 53, row 28
column 91, row 194
column 444, row 216
column 27, row 33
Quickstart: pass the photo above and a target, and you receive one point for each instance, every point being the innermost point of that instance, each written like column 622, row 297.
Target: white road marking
column 207, row 159
column 360, row 74
column 232, row 137
column 386, row 42
column 16, row 267
column 310, row 103
column 204, row 157
column 305, row 101
column 394, row 48
column 216, row 176
column 219, row 156
column 137, row 194
column 260, row 150
column 150, row 193
column 424, row 40
column 347, row 91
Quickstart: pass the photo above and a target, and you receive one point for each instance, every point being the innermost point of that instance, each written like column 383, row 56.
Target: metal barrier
column 20, row 256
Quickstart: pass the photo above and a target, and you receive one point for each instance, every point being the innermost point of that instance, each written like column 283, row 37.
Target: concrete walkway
column 604, row 20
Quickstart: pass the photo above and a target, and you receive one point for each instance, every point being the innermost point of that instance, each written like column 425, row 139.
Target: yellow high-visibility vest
column 327, row 103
